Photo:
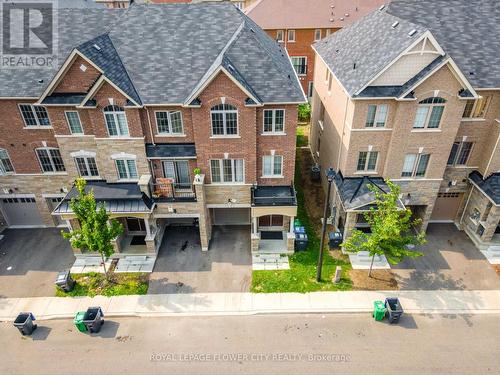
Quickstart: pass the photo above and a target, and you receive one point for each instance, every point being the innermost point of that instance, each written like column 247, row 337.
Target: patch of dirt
column 380, row 280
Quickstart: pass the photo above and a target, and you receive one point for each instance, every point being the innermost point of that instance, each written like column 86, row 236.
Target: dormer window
column 116, row 121
column 429, row 113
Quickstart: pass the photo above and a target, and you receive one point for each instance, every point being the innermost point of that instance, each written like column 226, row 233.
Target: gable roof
column 300, row 14
column 158, row 54
column 490, row 186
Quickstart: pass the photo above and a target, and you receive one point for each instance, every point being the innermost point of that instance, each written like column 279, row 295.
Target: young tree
column 96, row 229
column 391, row 229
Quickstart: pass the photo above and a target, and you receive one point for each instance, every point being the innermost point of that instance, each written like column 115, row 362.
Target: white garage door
column 21, row 212
column 231, row 216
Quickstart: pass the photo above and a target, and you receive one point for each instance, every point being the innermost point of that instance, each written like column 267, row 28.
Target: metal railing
column 166, row 190
column 274, row 200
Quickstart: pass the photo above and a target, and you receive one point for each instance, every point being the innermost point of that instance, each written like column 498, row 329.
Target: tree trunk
column 371, row 266
column 104, row 266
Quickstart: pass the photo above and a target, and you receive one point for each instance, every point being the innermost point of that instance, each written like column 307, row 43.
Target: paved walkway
column 418, row 302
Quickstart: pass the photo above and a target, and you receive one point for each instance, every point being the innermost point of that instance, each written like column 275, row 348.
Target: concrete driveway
column 181, row 266
column 30, row 260
column 450, row 261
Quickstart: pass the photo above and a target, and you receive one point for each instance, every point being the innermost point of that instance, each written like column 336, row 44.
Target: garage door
column 21, row 212
column 231, row 216
column 446, row 207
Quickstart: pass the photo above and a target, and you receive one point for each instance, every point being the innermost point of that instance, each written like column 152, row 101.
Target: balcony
column 166, row 190
column 274, row 196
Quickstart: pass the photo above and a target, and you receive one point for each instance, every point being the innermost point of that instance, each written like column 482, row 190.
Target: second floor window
column 116, row 121
column 367, row 161
column 50, row 159
column 300, row 64
column 460, row 152
column 280, row 36
column 5, row 163
column 317, row 35
column 127, row 169
column 429, row 113
column 227, row 170
column 34, row 115
column 74, row 123
column 291, row 35
column 224, row 120
column 377, row 115
column 87, row 167
column 169, row 122
column 415, row 165
column 477, row 108
column 272, row 166
column 274, row 120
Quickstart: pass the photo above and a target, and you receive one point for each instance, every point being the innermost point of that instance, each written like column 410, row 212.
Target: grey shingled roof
column 490, row 185
column 167, row 49
column 170, row 150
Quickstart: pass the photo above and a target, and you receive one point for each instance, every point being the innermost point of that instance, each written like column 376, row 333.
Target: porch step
column 270, row 262
column 136, row 264
column 363, row 260
column 86, row 264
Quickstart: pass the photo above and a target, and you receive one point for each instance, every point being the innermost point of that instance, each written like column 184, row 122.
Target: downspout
column 466, row 204
column 150, row 127
column 343, row 132
column 491, row 157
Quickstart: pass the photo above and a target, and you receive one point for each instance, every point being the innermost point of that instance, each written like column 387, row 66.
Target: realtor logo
column 28, row 34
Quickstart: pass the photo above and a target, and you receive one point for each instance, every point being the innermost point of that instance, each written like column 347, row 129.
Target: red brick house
column 134, row 107
column 297, row 24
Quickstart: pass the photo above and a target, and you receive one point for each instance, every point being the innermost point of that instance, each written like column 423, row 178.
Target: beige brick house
column 402, row 95
column 134, row 107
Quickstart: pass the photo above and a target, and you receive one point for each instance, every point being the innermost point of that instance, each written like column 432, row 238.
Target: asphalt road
column 277, row 344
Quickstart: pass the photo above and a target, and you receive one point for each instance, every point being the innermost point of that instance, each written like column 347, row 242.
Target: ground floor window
column 271, row 221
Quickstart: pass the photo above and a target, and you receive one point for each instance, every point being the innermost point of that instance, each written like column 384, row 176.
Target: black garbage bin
column 334, row 239
column 65, row 281
column 301, row 241
column 24, row 323
column 394, row 309
column 93, row 319
column 315, row 173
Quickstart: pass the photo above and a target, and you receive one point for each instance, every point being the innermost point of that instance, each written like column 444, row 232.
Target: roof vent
column 381, row 7
column 347, row 14
column 40, row 81
column 413, row 32
column 96, row 47
column 252, row 30
column 331, row 19
column 230, row 67
column 341, row 18
column 395, row 24
column 332, row 6
column 354, row 66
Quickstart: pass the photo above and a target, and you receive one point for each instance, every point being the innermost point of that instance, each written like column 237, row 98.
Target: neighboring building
column 240, row 4
column 134, row 107
column 405, row 95
column 297, row 24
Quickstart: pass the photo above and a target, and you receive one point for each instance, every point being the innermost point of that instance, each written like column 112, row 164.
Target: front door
column 271, row 221
column 178, row 170
column 136, row 226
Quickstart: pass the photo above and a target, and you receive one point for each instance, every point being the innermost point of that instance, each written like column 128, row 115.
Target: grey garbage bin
column 315, row 173
column 93, row 319
column 65, row 281
column 24, row 323
column 334, row 239
column 394, row 309
column 301, row 241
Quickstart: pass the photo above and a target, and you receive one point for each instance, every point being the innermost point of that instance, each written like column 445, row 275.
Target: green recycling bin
column 297, row 223
column 379, row 310
column 79, row 321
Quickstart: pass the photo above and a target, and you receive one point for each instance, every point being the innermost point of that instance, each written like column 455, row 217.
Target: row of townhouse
column 140, row 99
column 410, row 93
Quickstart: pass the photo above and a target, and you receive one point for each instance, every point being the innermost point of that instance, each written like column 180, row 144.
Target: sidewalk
column 417, row 302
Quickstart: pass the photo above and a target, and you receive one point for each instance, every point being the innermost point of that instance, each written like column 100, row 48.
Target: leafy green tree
column 96, row 230
column 391, row 229
column 304, row 112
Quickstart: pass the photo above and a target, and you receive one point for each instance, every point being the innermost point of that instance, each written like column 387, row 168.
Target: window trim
column 415, row 166
column 86, row 156
column 221, row 171
column 224, row 112
column 115, row 118
column 38, row 125
column 170, row 132
column 377, row 107
column 457, row 154
column 365, row 168
column 430, row 107
column 474, row 107
column 54, row 171
column 288, row 35
column 316, row 39
column 126, row 160
column 10, row 161
column 273, row 110
column 68, row 123
column 272, row 175
column 282, row 39
column 305, row 64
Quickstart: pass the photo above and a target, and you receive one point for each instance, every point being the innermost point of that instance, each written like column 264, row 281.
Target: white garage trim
column 232, row 205
column 30, row 211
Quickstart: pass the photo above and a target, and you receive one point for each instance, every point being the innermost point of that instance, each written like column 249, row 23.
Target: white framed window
column 169, row 122
column 291, row 35
column 50, row 159
column 317, row 35
column 116, row 121
column 272, row 166
column 300, row 64
column 280, row 35
column 367, row 161
column 328, row 32
column 87, row 166
column 477, row 108
column 377, row 116
column 34, row 115
column 227, row 171
column 127, row 169
column 429, row 113
column 415, row 165
column 224, row 120
column 74, row 123
column 460, row 152
column 5, row 163
column 274, row 120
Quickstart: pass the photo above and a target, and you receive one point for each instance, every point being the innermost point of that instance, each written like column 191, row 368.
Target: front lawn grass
column 93, row 284
column 301, row 277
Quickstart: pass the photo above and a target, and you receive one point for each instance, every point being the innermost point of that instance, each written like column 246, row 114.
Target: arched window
column 5, row 163
column 224, row 120
column 429, row 113
column 116, row 121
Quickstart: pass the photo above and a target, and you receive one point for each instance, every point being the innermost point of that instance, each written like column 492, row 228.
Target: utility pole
column 330, row 175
